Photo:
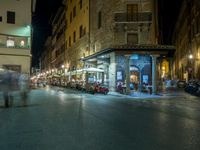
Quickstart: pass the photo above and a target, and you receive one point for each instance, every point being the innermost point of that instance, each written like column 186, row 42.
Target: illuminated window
column 10, row 17
column 22, row 43
column 10, row 43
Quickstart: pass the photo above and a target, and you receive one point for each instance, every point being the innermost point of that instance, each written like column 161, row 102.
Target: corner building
column 119, row 37
column 16, row 34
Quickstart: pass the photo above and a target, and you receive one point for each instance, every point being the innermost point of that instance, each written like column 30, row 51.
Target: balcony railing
column 17, row 42
column 2, row 45
column 137, row 17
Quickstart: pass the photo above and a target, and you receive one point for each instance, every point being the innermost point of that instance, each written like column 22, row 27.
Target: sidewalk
column 173, row 91
column 168, row 92
column 134, row 95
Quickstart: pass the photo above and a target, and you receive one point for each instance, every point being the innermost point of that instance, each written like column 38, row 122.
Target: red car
column 100, row 89
column 103, row 89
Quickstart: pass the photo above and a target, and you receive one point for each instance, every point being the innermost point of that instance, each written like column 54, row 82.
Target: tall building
column 46, row 58
column 58, row 39
column 187, row 41
column 77, row 33
column 16, row 34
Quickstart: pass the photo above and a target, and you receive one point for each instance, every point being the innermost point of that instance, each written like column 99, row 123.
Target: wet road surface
column 57, row 119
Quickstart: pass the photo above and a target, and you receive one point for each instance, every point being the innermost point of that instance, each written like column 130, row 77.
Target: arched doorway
column 134, row 78
column 165, row 69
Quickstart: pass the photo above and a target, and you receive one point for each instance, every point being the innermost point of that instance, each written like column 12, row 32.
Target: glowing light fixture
column 191, row 56
column 28, row 26
column 22, row 43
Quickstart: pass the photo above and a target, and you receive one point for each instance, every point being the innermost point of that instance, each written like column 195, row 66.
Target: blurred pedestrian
column 24, row 87
column 6, row 86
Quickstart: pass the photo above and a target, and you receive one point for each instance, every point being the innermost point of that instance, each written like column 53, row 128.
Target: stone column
column 127, row 70
column 112, row 73
column 102, row 78
column 154, row 74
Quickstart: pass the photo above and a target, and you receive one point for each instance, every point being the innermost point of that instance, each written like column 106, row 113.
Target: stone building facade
column 122, row 22
column 46, row 57
column 119, row 37
column 187, row 41
column 77, row 33
column 123, row 39
column 58, row 39
column 16, row 34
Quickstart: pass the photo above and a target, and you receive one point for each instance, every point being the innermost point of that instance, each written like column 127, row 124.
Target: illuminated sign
column 134, row 56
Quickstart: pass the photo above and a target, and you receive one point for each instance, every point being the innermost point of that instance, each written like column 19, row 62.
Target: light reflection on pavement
column 57, row 119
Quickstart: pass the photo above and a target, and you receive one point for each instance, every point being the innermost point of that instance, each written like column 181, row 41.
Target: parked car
column 181, row 84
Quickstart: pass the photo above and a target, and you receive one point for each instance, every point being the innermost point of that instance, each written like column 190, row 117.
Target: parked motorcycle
column 193, row 87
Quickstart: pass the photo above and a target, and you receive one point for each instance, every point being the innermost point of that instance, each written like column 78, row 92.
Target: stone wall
column 113, row 33
column 76, row 52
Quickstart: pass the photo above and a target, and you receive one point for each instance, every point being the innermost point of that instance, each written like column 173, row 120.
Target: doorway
column 134, row 80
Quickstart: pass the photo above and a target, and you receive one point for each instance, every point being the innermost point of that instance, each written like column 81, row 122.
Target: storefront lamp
column 63, row 66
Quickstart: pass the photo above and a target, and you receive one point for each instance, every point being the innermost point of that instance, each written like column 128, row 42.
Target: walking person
column 24, row 87
column 6, row 85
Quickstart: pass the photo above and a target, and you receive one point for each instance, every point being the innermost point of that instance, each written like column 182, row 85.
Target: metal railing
column 3, row 45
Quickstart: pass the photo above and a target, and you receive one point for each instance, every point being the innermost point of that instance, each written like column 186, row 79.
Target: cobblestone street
column 58, row 119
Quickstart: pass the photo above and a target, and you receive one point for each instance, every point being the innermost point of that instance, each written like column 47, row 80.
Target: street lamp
column 191, row 56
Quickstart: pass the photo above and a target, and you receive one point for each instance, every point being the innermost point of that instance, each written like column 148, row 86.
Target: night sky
column 41, row 27
column 168, row 12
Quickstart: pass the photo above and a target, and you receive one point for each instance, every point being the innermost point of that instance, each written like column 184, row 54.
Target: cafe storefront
column 139, row 67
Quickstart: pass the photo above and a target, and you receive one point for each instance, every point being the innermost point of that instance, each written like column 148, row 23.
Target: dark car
column 181, row 84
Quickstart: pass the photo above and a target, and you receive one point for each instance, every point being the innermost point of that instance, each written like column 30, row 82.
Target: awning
column 81, row 71
column 127, row 49
column 93, row 70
